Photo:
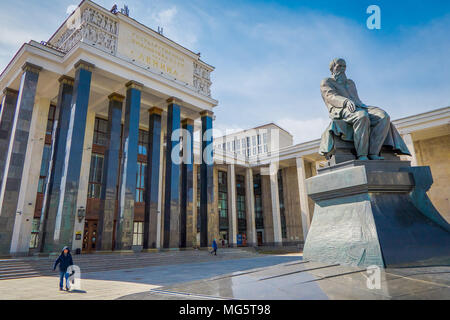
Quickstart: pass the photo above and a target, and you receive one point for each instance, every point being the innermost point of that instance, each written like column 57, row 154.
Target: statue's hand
column 350, row 105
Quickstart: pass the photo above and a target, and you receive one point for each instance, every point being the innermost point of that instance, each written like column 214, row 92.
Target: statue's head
column 338, row 66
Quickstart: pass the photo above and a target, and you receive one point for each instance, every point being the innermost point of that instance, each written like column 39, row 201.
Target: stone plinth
column 374, row 213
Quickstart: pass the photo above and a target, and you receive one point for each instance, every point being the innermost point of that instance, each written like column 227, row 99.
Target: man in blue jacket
column 64, row 261
column 214, row 247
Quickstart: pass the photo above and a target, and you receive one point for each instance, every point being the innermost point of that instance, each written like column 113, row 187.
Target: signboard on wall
column 151, row 52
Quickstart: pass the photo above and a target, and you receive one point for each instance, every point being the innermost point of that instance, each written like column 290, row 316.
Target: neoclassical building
column 94, row 123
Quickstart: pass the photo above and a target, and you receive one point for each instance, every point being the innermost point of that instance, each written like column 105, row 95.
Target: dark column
column 172, row 184
column 15, row 155
column 110, row 173
column 206, row 176
column 59, row 137
column 127, row 187
column 69, row 151
column 152, row 181
column 7, row 113
column 187, row 178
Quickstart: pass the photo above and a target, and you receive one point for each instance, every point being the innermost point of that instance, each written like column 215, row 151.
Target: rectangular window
column 240, row 203
column 51, row 119
column 248, row 142
column 44, row 168
column 223, row 201
column 243, row 143
column 238, row 144
column 265, row 148
column 233, row 145
column 248, row 152
column 198, row 199
column 138, row 233
column 259, row 139
column 282, row 207
column 143, row 142
column 96, row 176
column 254, row 151
column 140, row 181
column 101, row 132
column 254, row 140
column 259, row 220
column 34, row 241
column 259, row 149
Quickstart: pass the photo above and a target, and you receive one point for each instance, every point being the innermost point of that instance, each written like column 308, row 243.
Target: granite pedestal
column 375, row 213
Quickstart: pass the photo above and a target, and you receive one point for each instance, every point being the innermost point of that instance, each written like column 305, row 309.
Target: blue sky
column 270, row 56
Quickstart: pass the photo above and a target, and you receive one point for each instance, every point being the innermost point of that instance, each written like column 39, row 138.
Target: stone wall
column 267, row 210
column 435, row 153
column 292, row 205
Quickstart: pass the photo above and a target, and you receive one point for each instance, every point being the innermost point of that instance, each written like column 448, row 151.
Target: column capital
column 155, row 110
column 66, row 80
column 134, row 85
column 206, row 113
column 116, row 97
column 31, row 67
column 187, row 121
column 174, row 101
column 7, row 91
column 84, row 65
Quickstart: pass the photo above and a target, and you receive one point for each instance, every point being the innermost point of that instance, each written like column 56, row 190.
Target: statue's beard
column 340, row 76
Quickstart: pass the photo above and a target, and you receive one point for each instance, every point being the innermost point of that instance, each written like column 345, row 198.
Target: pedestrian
column 214, row 247
column 64, row 260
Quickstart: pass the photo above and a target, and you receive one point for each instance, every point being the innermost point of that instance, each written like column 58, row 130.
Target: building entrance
column 90, row 236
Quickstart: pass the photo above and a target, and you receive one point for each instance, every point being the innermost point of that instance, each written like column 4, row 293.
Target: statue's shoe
column 375, row 157
column 363, row 158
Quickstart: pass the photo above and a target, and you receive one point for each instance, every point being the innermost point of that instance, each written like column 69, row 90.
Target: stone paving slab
column 314, row 280
column 47, row 288
column 117, row 283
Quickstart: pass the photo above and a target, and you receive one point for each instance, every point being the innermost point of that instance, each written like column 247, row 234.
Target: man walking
column 64, row 261
column 214, row 247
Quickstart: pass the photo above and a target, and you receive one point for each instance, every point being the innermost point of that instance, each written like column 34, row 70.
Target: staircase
column 42, row 266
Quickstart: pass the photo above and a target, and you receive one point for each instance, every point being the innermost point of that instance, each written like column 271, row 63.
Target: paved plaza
column 233, row 274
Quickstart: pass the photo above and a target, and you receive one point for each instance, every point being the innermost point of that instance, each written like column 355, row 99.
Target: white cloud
column 304, row 130
column 176, row 26
column 71, row 8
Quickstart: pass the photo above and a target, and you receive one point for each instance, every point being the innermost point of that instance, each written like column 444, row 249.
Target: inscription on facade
column 102, row 31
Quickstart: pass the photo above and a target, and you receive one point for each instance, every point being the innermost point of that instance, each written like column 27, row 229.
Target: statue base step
column 375, row 213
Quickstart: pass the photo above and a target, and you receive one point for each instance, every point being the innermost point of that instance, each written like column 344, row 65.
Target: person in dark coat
column 214, row 247
column 64, row 261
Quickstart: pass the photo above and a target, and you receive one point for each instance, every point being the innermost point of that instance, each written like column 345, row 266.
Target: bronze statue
column 370, row 124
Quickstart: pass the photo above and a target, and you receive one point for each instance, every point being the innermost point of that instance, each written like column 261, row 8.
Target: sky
column 270, row 56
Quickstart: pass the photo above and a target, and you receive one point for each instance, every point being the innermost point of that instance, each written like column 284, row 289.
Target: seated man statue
column 370, row 124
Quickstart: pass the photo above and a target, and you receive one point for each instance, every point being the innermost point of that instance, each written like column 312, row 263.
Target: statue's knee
column 362, row 115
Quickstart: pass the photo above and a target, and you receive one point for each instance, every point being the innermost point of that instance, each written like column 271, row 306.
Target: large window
column 44, row 168
column 101, row 132
column 140, row 181
column 198, row 198
column 34, row 241
column 138, row 233
column 282, row 207
column 95, row 176
column 259, row 220
column 143, row 142
column 223, row 201
column 240, row 203
column 51, row 119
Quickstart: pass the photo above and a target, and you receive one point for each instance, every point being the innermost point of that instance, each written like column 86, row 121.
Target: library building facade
column 106, row 144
